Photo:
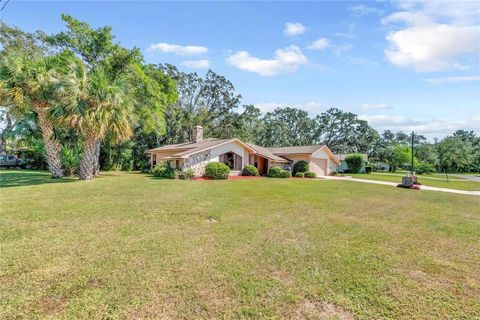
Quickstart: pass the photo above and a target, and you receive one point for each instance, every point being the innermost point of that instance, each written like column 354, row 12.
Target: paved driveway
column 393, row 184
column 471, row 178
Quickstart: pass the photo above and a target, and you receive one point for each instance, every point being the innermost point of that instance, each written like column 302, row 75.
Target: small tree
column 454, row 154
column 401, row 156
column 300, row 166
column 354, row 162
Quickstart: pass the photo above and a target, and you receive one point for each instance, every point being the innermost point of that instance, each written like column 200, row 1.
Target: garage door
column 319, row 166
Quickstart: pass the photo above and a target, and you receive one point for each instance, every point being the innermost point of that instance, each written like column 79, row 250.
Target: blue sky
column 400, row 65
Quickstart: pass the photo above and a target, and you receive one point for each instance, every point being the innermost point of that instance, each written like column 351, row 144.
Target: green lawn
column 456, row 183
column 132, row 246
column 423, row 176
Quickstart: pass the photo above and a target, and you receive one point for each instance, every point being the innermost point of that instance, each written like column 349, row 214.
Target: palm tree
column 94, row 104
column 26, row 86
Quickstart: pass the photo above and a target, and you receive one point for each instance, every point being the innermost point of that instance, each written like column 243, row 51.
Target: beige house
column 236, row 154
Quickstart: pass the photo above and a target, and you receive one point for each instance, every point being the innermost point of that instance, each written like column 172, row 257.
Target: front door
column 262, row 166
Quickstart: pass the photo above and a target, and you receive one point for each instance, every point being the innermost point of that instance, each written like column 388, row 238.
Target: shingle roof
column 183, row 149
column 295, row 150
column 264, row 152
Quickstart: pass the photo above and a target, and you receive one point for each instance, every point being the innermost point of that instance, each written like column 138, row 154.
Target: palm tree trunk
column 96, row 164
column 52, row 145
column 86, row 170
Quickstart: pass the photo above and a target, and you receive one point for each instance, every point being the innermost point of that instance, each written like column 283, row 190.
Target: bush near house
column 186, row 174
column 424, row 168
column 164, row 172
column 300, row 166
column 285, row 174
column 277, row 172
column 274, row 172
column 217, row 171
column 310, row 174
column 250, row 170
column 299, row 175
column 354, row 162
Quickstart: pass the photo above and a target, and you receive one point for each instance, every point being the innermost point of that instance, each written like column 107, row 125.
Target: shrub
column 186, row 174
column 300, row 166
column 299, row 175
column 70, row 160
column 116, row 167
column 274, row 172
column 285, row 174
column 217, row 170
column 310, row 174
column 368, row 169
column 354, row 162
column 164, row 172
column 334, row 173
column 249, row 170
column 425, row 168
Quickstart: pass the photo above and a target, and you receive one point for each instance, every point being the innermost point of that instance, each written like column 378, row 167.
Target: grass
column 423, row 176
column 132, row 246
column 455, row 183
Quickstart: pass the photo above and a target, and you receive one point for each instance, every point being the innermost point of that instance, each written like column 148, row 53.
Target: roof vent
column 197, row 134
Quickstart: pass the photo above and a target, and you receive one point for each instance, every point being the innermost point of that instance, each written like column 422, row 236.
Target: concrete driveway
column 393, row 184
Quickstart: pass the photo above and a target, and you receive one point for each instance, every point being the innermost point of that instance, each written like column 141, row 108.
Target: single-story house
column 343, row 163
column 236, row 154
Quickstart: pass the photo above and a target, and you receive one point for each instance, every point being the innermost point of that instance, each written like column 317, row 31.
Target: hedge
column 300, row 166
column 217, row 171
column 164, row 172
column 274, row 172
column 285, row 174
column 354, row 162
column 310, row 174
column 249, row 170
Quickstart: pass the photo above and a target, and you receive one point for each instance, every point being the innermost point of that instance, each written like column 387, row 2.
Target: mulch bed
column 413, row 187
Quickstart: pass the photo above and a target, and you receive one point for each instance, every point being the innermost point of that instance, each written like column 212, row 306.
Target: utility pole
column 412, row 169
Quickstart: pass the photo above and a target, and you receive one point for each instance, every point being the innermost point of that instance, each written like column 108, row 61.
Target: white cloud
column 196, row 64
column 384, row 120
column 319, row 44
column 374, row 106
column 286, row 60
column 452, row 79
column 294, row 28
column 177, row 49
column 430, row 127
column 322, row 44
column 433, row 35
column 363, row 10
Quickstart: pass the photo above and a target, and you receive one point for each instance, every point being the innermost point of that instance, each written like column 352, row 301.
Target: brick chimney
column 197, row 134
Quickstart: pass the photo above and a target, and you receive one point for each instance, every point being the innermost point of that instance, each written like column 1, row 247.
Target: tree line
column 78, row 101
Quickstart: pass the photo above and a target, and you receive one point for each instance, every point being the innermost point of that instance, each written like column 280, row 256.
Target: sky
column 400, row 65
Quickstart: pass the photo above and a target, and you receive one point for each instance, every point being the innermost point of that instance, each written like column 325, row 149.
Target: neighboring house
column 343, row 163
column 236, row 154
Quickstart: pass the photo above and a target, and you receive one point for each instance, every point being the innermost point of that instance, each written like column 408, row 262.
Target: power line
column 4, row 5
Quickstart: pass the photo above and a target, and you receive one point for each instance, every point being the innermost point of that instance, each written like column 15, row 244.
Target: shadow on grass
column 18, row 178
